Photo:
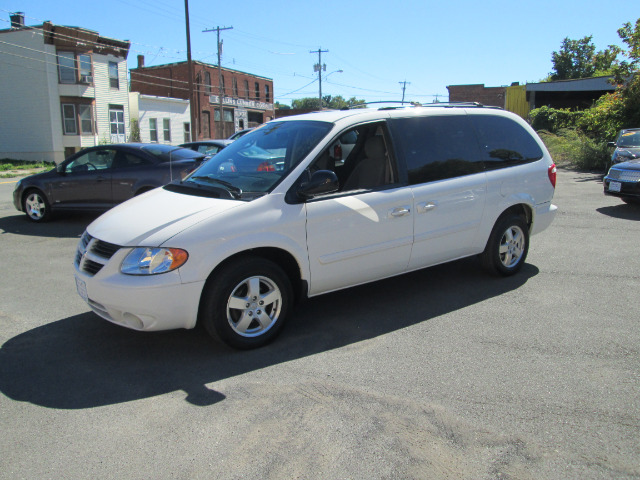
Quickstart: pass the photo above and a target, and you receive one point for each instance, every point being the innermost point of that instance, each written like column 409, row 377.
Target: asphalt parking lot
column 444, row 373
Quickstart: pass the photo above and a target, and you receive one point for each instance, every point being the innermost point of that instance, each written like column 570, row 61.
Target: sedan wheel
column 36, row 206
column 254, row 306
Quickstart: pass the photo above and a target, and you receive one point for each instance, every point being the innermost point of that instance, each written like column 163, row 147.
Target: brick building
column 491, row 96
column 247, row 100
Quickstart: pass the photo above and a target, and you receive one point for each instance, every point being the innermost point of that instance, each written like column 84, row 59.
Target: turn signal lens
column 552, row 175
column 152, row 261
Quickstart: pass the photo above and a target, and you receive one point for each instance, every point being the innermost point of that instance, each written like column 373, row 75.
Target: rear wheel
column 246, row 303
column 507, row 247
column 36, row 206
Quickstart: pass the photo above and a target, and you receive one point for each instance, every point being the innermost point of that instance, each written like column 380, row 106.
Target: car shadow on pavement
column 63, row 225
column 622, row 211
column 84, row 362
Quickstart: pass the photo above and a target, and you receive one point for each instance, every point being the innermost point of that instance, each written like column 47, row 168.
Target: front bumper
column 625, row 183
column 145, row 303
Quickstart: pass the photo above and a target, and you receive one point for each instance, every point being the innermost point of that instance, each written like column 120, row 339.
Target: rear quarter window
column 503, row 142
column 437, row 147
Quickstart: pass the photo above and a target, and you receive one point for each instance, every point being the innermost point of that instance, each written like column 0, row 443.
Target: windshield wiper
column 235, row 191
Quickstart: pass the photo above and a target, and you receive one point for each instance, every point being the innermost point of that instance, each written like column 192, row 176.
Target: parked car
column 623, row 181
column 627, row 146
column 207, row 147
column 97, row 178
column 239, row 134
column 235, row 244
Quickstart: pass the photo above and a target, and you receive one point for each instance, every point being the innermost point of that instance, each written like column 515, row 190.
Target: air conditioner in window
column 86, row 79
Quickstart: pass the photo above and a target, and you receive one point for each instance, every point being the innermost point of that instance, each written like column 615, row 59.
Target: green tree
column 579, row 59
column 328, row 101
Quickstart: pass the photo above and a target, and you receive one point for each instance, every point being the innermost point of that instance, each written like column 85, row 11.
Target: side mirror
column 611, row 144
column 321, row 182
column 60, row 168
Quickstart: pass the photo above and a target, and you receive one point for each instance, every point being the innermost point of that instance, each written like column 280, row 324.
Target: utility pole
column 192, row 103
column 220, row 90
column 319, row 67
column 404, row 87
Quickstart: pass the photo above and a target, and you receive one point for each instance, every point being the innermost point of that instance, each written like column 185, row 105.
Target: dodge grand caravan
column 274, row 217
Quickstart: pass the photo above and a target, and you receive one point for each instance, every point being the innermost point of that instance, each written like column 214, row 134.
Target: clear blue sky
column 377, row 44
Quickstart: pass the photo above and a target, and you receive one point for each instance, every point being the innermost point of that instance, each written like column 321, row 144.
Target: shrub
column 571, row 147
column 553, row 119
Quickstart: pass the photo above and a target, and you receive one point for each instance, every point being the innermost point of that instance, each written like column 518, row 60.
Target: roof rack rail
column 417, row 104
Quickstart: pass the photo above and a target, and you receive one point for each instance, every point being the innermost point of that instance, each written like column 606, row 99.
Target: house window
column 235, row 87
column 67, row 67
column 113, row 75
column 77, row 119
column 166, row 129
column 246, row 89
column 153, row 129
column 187, row 131
column 116, row 120
column 267, row 94
column 257, row 90
column 207, row 82
column 84, row 62
column 70, row 124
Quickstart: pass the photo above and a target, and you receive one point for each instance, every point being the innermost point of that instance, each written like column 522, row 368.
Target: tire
column 246, row 304
column 36, row 206
column 507, row 246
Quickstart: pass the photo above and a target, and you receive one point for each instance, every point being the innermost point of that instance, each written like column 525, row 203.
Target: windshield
column 165, row 153
column 256, row 162
column 629, row 139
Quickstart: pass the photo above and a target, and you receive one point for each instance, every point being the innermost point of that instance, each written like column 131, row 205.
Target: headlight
column 151, row 261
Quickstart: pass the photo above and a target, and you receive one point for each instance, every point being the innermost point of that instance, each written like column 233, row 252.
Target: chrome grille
column 624, row 175
column 92, row 254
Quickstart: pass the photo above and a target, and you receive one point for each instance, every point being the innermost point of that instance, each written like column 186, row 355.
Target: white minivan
column 275, row 217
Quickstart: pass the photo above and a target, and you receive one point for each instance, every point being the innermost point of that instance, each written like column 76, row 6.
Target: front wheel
column 246, row 303
column 507, row 247
column 36, row 206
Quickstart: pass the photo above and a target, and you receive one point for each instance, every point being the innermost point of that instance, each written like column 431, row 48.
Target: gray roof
column 578, row 85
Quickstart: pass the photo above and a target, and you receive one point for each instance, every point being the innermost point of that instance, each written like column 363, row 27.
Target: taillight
column 266, row 167
column 337, row 152
column 552, row 175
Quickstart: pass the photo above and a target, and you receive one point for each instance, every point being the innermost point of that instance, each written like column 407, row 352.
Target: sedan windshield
column 257, row 161
column 629, row 139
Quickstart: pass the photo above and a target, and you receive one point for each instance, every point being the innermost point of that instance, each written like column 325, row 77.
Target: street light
column 320, row 82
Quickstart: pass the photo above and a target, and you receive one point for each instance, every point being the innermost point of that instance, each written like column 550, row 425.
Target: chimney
column 17, row 19
column 140, row 61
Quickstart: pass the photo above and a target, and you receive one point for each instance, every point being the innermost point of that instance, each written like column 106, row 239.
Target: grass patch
column 17, row 168
column 568, row 147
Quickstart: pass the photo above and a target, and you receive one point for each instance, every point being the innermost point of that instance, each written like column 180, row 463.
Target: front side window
column 67, row 67
column 113, row 75
column 166, row 129
column 153, row 129
column 92, row 161
column 437, row 147
column 503, row 142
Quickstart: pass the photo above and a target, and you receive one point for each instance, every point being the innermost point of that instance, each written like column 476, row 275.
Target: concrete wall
column 175, row 109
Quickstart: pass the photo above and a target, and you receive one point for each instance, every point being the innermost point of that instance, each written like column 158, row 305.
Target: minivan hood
column 154, row 217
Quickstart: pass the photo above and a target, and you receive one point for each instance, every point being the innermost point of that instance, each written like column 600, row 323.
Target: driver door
column 85, row 181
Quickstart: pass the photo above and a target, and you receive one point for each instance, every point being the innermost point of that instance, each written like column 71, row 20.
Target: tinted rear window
column 437, row 147
column 503, row 142
column 167, row 152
